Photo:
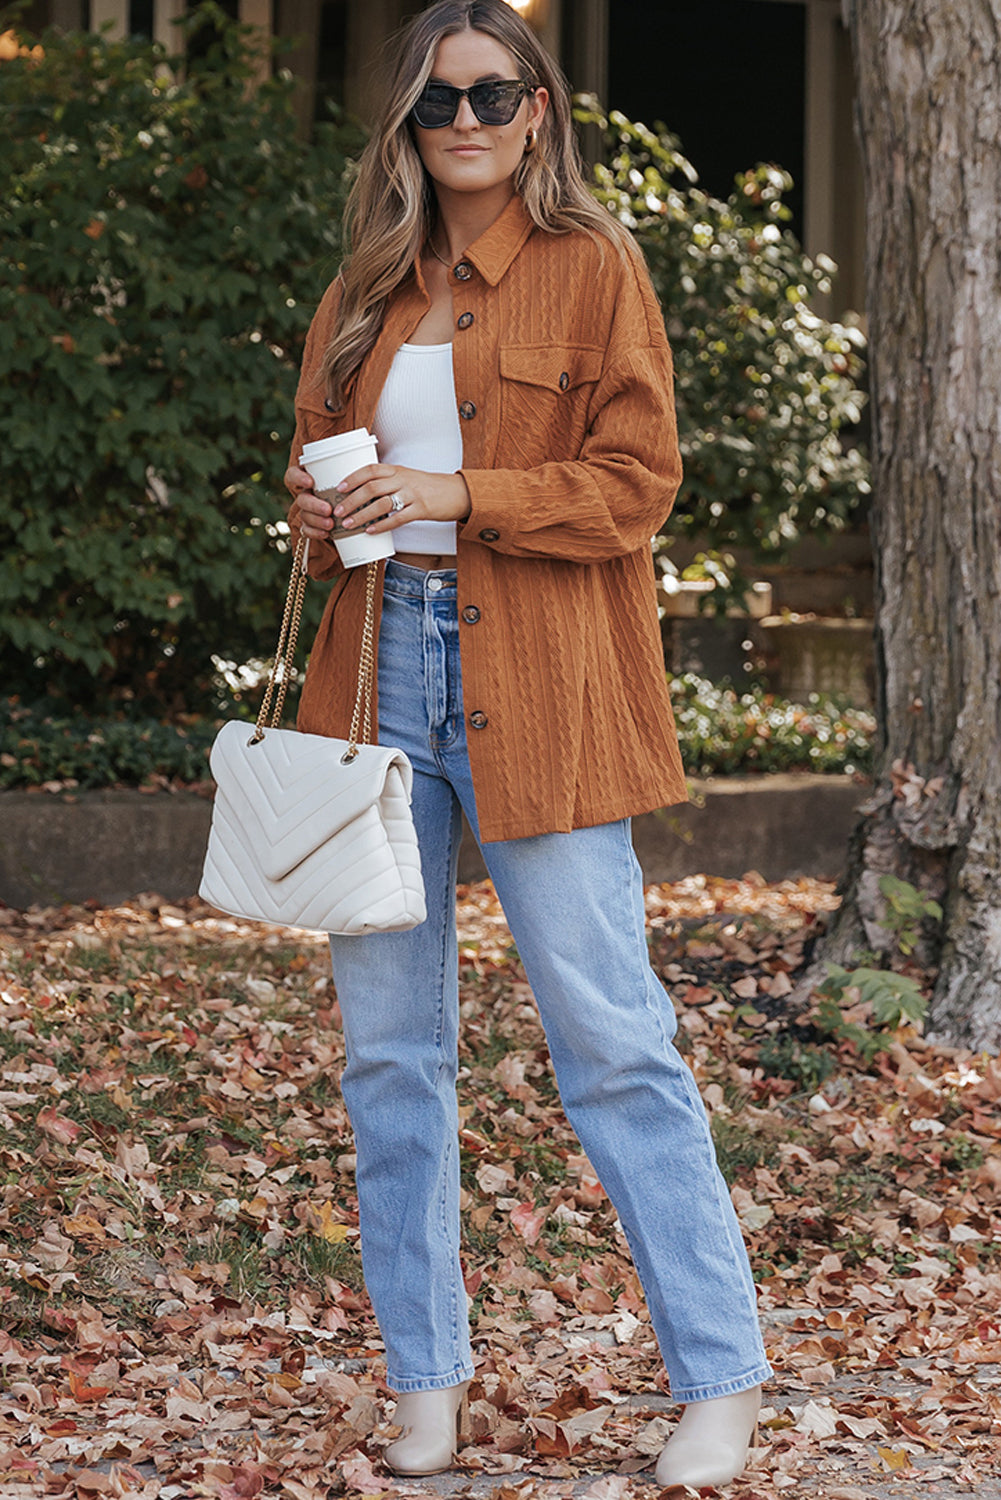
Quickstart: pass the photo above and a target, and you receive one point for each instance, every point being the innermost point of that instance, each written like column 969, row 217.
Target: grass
column 317, row 1259
column 860, row 1185
column 783, row 1055
column 963, row 1155
column 546, row 1162
column 250, row 1272
column 739, row 1147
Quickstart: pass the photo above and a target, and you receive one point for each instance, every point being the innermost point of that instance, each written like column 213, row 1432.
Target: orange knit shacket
column 563, row 380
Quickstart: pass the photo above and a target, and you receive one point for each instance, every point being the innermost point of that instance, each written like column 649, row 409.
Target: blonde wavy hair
column 391, row 209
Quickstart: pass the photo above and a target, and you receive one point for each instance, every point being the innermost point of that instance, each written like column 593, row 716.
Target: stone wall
column 109, row 845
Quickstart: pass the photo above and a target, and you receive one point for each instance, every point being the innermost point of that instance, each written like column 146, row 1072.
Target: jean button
column 434, row 584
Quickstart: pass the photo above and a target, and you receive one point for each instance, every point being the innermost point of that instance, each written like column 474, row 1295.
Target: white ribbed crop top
column 417, row 425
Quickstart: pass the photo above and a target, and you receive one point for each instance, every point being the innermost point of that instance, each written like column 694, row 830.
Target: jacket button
column 478, row 720
column 470, row 614
column 463, row 271
column 467, row 411
column 489, row 535
column 564, row 381
column 465, row 320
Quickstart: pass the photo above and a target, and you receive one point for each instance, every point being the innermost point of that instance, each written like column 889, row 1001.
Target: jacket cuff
column 492, row 517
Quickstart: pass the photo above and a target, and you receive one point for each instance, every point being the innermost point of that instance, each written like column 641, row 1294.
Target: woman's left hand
column 366, row 498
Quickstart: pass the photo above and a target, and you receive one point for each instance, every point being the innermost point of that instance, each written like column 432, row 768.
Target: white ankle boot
column 431, row 1421
column 710, row 1443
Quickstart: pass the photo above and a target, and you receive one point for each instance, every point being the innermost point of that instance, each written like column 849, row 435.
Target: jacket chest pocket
column 546, row 391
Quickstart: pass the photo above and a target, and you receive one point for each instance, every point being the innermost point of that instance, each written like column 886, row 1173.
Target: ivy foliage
column 767, row 390
column 164, row 238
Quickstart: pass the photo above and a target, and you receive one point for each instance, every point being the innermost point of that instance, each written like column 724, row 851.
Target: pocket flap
column 558, row 368
column 291, row 792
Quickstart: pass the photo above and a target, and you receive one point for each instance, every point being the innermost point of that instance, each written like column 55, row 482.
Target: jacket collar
column 497, row 247
column 491, row 254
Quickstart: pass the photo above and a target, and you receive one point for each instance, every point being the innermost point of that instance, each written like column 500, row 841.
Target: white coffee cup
column 328, row 461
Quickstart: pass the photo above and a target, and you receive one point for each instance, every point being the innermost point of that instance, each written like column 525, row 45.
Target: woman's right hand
column 316, row 515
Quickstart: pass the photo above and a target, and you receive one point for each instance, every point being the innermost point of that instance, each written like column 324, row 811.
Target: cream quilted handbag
column 309, row 831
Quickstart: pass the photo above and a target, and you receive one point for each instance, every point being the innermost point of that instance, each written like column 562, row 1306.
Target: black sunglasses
column 495, row 102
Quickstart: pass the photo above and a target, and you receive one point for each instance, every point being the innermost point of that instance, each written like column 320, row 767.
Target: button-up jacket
column 563, row 384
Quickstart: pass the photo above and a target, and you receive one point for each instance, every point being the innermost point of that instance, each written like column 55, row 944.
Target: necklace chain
column 446, row 263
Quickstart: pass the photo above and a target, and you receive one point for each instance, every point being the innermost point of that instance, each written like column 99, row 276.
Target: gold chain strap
column 366, row 671
column 281, row 670
column 281, row 667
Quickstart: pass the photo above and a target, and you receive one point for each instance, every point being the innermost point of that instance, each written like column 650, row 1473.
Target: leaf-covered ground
column 181, row 1303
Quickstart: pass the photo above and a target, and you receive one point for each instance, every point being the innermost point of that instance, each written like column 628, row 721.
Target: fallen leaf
column 359, row 1474
column 58, row 1126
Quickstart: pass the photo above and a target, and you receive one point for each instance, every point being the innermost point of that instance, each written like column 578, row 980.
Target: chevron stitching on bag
column 296, row 801
column 297, row 838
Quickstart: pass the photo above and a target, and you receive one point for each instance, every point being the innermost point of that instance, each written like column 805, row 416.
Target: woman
column 497, row 330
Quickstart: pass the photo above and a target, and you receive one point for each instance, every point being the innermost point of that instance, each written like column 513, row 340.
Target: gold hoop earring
column 530, row 139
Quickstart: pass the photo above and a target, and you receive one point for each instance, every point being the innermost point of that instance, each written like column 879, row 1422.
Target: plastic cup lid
column 328, row 447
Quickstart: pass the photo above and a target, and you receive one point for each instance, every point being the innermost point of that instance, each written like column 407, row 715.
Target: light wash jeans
column 574, row 903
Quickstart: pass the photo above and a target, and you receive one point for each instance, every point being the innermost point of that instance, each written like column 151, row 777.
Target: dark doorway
column 141, row 19
column 726, row 76
column 207, row 35
column 330, row 55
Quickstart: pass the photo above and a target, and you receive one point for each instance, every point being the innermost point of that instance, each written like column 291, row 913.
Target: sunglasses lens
column 495, row 103
column 437, row 106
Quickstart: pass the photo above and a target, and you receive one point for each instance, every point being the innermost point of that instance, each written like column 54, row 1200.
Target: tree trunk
column 929, row 105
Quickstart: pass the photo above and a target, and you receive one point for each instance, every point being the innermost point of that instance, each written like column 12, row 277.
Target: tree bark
column 929, row 118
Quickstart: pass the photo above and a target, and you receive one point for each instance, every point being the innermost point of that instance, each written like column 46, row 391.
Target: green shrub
column 42, row 749
column 765, row 388
column 163, row 244
column 720, row 732
column 162, row 247
column 723, row 731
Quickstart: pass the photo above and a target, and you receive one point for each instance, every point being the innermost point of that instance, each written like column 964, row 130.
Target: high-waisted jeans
column 574, row 903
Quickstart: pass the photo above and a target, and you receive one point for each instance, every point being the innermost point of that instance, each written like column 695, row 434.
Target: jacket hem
column 500, row 832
